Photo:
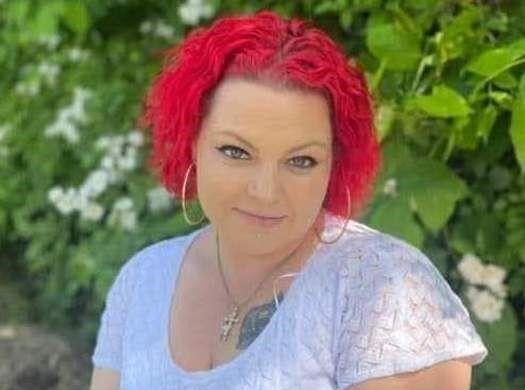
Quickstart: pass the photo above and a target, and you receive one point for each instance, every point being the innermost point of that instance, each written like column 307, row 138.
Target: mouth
column 260, row 221
column 261, row 216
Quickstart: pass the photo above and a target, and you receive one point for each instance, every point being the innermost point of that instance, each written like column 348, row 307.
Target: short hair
column 286, row 53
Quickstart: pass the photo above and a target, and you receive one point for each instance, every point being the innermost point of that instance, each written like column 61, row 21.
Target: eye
column 236, row 151
column 312, row 162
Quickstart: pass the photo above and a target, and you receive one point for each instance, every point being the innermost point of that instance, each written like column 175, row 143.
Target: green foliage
column 449, row 85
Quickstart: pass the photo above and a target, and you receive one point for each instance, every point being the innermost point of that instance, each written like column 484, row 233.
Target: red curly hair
column 288, row 53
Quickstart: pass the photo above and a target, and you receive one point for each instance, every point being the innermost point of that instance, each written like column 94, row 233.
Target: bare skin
column 200, row 302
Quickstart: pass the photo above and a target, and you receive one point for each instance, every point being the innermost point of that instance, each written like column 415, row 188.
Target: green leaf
column 494, row 61
column 501, row 338
column 384, row 120
column 443, row 102
column 17, row 11
column 45, row 22
column 76, row 17
column 345, row 18
column 517, row 125
column 485, row 121
column 392, row 43
column 393, row 216
column 432, row 189
column 505, row 80
column 407, row 186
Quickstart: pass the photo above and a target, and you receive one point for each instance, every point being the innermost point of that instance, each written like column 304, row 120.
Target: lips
column 261, row 216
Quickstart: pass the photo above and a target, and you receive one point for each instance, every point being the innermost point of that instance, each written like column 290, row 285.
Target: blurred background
column 77, row 199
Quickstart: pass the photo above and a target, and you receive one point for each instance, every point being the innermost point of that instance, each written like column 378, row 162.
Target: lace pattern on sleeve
column 400, row 315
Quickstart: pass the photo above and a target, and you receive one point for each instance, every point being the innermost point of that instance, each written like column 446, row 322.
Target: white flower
column 30, row 88
column 95, row 184
column 49, row 71
column 108, row 163
column 157, row 28
column 163, row 30
column 68, row 117
column 123, row 214
column 493, row 276
column 390, row 187
column 485, row 305
column 146, row 27
column 80, row 94
column 158, row 199
column 475, row 272
column 51, row 41
column 64, row 201
column 55, row 194
column 76, row 54
column 92, row 211
column 114, row 176
column 136, row 138
column 123, row 204
column 128, row 220
column 193, row 10
column 471, row 269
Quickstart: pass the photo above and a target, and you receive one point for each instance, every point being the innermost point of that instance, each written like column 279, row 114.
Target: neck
column 242, row 264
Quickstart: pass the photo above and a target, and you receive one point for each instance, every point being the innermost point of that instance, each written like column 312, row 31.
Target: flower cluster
column 157, row 28
column 123, row 214
column 50, row 41
column 69, row 117
column 120, row 157
column 488, row 303
column 49, row 72
column 192, row 11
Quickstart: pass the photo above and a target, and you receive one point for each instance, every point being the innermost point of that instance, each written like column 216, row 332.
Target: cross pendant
column 228, row 322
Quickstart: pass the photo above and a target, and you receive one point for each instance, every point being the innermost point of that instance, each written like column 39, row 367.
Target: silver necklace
column 232, row 318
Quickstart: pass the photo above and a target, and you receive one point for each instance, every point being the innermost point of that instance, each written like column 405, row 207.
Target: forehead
column 255, row 109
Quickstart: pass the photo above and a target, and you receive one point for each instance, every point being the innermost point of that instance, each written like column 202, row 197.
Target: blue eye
column 312, row 162
column 235, row 153
column 225, row 148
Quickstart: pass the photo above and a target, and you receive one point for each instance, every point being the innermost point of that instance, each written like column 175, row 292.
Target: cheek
column 307, row 192
column 216, row 183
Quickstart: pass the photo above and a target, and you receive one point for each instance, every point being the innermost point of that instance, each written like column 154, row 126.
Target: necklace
column 233, row 317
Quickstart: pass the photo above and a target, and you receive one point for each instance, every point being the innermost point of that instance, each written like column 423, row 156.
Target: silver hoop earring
column 184, row 212
column 345, row 224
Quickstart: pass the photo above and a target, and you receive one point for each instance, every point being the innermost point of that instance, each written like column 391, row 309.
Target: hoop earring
column 345, row 225
column 184, row 212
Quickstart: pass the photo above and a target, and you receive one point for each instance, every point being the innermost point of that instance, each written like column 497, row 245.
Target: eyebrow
column 295, row 148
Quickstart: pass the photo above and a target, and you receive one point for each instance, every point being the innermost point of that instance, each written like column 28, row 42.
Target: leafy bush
column 448, row 78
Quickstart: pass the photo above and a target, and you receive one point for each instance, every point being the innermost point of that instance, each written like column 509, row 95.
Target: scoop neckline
column 255, row 344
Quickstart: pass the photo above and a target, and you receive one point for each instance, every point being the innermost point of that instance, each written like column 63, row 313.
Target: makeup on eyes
column 222, row 148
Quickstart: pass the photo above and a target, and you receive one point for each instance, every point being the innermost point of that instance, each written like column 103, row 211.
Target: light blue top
column 368, row 306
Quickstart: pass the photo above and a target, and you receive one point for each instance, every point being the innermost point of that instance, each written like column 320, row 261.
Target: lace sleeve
column 400, row 315
column 108, row 349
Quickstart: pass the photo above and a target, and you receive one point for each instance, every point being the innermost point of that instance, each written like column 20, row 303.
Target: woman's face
column 264, row 151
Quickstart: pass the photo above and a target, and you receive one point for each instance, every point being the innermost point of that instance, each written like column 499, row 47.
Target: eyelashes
column 234, row 152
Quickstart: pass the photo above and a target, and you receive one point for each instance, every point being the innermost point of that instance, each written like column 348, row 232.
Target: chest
column 197, row 318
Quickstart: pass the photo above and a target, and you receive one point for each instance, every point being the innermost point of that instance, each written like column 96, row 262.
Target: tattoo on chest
column 255, row 321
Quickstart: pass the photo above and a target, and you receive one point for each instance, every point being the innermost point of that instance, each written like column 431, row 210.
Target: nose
column 264, row 185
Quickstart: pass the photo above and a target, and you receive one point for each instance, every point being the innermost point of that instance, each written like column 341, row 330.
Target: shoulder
column 380, row 257
column 379, row 271
column 151, row 260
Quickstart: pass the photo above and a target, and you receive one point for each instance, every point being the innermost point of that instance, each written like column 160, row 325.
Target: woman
column 267, row 124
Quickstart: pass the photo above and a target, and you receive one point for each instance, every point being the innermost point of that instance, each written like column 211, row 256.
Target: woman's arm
column 104, row 379
column 448, row 375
